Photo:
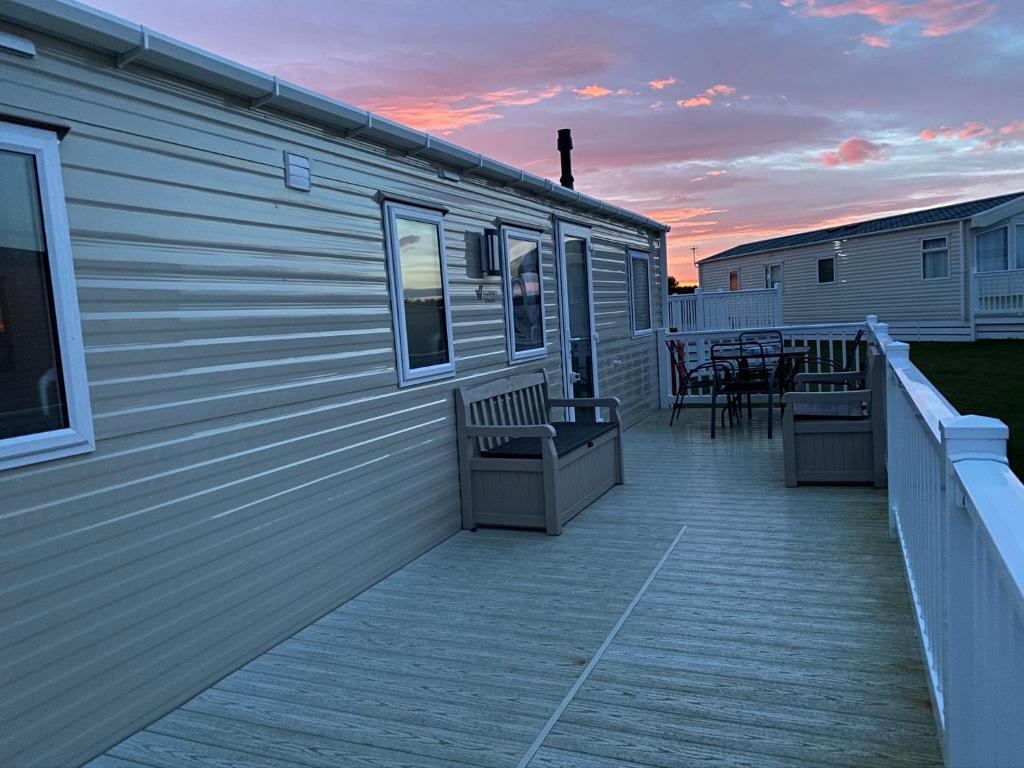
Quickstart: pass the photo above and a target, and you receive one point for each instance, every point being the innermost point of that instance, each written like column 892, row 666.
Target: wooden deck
column 756, row 626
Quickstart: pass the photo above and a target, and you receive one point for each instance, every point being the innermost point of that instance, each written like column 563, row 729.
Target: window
column 44, row 410
column 734, row 281
column 640, row 292
column 772, row 275
column 934, row 258
column 418, row 277
column 1019, row 238
column 990, row 250
column 827, row 270
column 522, row 274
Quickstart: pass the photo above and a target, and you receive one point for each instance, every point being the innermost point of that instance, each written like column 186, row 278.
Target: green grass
column 981, row 377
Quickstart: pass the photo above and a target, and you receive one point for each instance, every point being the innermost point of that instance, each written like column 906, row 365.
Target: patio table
column 788, row 359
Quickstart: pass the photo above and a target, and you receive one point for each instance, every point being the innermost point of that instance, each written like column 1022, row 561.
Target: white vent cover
column 296, row 172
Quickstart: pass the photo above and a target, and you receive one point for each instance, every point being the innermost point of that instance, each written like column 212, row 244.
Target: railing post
column 897, row 355
column 778, row 320
column 698, row 296
column 966, row 716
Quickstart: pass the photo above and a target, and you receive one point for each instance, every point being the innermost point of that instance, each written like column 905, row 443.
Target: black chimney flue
column 565, row 150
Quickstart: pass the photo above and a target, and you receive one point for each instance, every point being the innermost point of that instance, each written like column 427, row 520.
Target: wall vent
column 296, row 172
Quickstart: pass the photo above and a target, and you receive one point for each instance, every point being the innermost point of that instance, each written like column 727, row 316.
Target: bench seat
column 568, row 437
column 518, row 469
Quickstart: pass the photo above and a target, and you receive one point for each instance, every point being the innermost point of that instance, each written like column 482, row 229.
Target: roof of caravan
column 130, row 42
column 953, row 212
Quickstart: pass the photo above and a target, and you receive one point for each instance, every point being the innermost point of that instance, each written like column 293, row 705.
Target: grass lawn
column 981, row 377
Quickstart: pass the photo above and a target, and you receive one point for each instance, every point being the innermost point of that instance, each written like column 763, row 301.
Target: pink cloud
column 854, row 151
column 937, row 17
column 874, row 41
column 1017, row 126
column 970, row 130
column 599, row 91
column 660, row 85
column 696, row 101
column 705, row 99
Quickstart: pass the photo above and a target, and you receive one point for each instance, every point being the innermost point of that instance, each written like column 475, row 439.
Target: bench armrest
column 522, row 430
column 585, row 402
column 848, row 396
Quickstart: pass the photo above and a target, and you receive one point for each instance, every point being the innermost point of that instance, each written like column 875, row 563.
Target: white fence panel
column 958, row 511
column 999, row 292
column 722, row 310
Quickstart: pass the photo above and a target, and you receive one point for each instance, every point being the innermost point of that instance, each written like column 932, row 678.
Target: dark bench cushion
column 825, row 411
column 568, row 437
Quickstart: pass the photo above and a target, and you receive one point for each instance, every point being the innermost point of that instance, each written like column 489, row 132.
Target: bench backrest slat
column 513, row 401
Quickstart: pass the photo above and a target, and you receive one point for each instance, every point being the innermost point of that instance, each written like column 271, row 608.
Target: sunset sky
column 731, row 120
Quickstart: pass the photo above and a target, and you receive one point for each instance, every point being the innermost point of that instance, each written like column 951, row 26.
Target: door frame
column 565, row 229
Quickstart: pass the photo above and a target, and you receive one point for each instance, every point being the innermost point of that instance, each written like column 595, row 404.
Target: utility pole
column 693, row 250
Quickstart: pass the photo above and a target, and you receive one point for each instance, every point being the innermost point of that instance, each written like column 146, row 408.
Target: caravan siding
column 256, row 462
column 875, row 274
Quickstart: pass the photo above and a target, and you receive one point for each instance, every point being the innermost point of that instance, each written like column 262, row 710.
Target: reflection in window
column 419, row 293
column 734, row 281
column 524, row 290
column 772, row 275
column 30, row 375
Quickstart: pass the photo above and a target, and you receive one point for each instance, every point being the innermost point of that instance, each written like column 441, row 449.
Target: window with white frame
column 44, row 407
column 418, row 278
column 523, row 276
column 640, row 292
column 772, row 275
column 934, row 258
column 827, row 270
column 1019, row 238
column 990, row 250
column 734, row 280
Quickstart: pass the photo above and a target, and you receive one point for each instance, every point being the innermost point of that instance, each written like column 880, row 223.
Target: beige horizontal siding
column 256, row 462
column 875, row 274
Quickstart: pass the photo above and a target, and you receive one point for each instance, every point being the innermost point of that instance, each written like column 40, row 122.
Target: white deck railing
column 958, row 512
column 720, row 310
column 999, row 293
column 826, row 341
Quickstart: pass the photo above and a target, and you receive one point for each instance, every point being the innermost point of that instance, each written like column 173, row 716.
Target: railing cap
column 974, row 437
column 897, row 350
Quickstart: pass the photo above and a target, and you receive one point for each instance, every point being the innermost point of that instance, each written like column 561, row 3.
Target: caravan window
column 1019, row 237
column 734, row 281
column 990, row 250
column 827, row 270
column 640, row 292
column 772, row 275
column 421, row 309
column 44, row 410
column 934, row 258
column 523, row 276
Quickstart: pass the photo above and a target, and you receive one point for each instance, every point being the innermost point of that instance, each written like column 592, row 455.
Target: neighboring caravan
column 250, row 306
column 950, row 272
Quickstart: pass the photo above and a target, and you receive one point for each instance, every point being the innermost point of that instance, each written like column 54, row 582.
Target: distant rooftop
column 953, row 212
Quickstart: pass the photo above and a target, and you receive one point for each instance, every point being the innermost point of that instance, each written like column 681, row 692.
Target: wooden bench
column 518, row 468
column 837, row 436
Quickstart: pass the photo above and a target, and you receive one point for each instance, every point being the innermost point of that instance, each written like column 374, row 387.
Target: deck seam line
column 571, row 693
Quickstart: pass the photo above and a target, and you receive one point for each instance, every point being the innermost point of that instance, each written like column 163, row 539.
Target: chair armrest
column 585, row 402
column 521, row 430
column 849, row 396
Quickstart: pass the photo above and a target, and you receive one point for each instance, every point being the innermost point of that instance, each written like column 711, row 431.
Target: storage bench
column 518, row 468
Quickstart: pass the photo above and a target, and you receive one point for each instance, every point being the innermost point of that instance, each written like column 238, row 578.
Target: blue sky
column 731, row 120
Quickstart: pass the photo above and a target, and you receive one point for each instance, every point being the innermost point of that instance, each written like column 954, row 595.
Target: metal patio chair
column 753, row 376
column 698, row 377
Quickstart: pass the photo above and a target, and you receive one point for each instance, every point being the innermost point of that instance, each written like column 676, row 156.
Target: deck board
column 778, row 632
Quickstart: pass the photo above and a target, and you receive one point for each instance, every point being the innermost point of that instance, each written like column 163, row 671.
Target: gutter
column 131, row 44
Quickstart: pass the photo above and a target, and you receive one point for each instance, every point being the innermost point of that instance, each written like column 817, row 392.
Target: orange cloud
column 446, row 114
column 874, row 41
column 938, row 17
column 704, row 99
column 1017, row 126
column 597, row 91
column 970, row 130
column 683, row 217
column 854, row 151
column 660, row 85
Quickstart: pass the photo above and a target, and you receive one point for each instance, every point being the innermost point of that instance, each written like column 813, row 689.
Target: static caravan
column 232, row 317
column 954, row 272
